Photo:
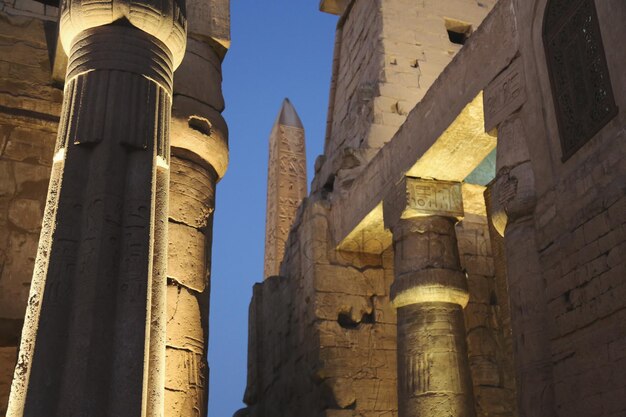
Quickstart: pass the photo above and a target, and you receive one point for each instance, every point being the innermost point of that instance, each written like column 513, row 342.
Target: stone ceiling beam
column 437, row 140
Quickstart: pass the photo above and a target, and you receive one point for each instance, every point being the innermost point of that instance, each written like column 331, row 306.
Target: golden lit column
column 429, row 293
column 93, row 342
column 199, row 159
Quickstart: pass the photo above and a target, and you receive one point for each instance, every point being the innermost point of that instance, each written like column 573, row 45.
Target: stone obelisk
column 93, row 342
column 286, row 183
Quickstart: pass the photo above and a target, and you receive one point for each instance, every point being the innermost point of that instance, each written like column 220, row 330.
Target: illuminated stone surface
column 544, row 259
column 429, row 291
column 199, row 160
column 97, row 300
column 286, row 183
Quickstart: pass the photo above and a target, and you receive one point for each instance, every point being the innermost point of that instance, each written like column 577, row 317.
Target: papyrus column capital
column 164, row 20
column 420, row 197
column 422, row 213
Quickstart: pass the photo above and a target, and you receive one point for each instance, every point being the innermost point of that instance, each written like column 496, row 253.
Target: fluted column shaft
column 94, row 337
column 429, row 292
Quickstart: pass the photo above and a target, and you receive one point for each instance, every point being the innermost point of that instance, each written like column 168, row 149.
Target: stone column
column 199, row 160
column 429, row 293
column 512, row 206
column 93, row 342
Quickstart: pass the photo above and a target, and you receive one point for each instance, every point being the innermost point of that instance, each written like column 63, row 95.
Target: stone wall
column 322, row 335
column 580, row 231
column 29, row 114
column 490, row 360
column 387, row 55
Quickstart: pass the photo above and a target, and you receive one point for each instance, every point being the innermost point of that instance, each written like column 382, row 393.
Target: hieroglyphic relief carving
column 286, row 185
column 504, row 95
column 423, row 197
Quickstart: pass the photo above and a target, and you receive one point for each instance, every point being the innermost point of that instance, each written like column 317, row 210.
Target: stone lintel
column 334, row 6
column 420, row 197
column 464, row 78
column 461, row 147
column 504, row 95
column 369, row 236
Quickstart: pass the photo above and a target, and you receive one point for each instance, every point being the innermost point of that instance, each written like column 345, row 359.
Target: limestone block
column 504, row 95
column 329, row 306
column 345, row 362
column 31, row 6
column 7, row 180
column 496, row 401
column 385, row 312
column 477, row 315
column 185, row 383
column 183, row 403
column 342, row 391
column 17, row 273
column 29, row 144
column 377, row 336
column 210, row 19
column 375, row 394
column 184, row 320
column 192, row 193
column 200, row 75
column 8, row 359
column 187, row 256
column 339, row 279
column 26, row 214
column 484, row 370
column 24, row 63
column 339, row 413
column 480, row 286
column 32, row 180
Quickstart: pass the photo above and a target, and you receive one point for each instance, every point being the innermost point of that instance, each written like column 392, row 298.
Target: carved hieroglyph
column 286, row 183
column 429, row 292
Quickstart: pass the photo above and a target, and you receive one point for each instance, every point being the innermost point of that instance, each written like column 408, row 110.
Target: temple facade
column 461, row 251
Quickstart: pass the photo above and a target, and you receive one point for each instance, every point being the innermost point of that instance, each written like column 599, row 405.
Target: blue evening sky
column 280, row 48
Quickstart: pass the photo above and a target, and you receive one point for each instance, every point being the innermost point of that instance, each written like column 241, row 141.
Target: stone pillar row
column 93, row 342
column 429, row 293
